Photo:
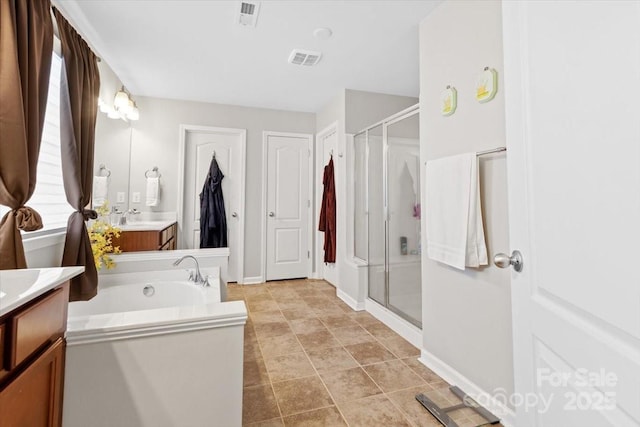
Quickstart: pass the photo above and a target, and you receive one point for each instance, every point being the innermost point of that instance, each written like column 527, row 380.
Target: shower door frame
column 395, row 118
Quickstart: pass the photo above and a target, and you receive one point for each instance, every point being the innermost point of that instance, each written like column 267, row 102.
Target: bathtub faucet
column 194, row 276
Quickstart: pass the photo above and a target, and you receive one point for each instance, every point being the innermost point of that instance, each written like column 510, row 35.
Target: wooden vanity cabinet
column 32, row 351
column 148, row 240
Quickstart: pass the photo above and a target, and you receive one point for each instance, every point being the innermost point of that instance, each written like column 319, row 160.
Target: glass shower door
column 376, row 222
column 404, row 210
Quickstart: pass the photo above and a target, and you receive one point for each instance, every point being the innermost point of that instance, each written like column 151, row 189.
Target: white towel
column 153, row 191
column 455, row 235
column 100, row 190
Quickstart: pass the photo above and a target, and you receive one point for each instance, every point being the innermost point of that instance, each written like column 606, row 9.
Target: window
column 49, row 199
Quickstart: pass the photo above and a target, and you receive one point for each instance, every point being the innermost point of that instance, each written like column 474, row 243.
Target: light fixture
column 134, row 114
column 123, row 107
column 121, row 99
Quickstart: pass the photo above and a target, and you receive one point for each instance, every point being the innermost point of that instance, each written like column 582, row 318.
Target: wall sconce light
column 123, row 107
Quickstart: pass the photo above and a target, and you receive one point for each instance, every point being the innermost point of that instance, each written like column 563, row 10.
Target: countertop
column 18, row 287
column 146, row 225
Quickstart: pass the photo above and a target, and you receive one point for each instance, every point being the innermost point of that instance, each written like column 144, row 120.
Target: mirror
column 113, row 150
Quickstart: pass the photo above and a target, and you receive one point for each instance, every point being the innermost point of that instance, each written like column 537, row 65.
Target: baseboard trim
column 400, row 326
column 349, row 300
column 453, row 377
column 252, row 280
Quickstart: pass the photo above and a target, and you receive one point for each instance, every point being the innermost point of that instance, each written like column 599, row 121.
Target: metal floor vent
column 304, row 57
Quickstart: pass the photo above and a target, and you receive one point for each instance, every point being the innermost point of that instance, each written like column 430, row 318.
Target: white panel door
column 288, row 205
column 572, row 85
column 229, row 148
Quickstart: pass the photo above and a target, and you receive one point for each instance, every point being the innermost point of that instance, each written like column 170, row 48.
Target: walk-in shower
column 387, row 212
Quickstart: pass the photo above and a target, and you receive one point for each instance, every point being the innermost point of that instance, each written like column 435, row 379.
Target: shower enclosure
column 387, row 212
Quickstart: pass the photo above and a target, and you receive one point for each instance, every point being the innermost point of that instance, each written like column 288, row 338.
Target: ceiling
column 194, row 50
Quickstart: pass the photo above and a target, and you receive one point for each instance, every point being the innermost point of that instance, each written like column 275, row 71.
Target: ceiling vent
column 304, row 57
column 248, row 14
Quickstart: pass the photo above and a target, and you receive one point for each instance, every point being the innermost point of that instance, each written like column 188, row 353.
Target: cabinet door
column 33, row 399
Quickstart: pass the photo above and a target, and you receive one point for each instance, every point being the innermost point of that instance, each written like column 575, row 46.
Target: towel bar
column 104, row 168
column 155, row 169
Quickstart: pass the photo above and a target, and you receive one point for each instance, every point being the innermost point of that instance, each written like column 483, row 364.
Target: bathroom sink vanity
column 33, row 321
column 147, row 236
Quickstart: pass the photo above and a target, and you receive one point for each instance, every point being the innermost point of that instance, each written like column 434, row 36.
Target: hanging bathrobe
column 328, row 213
column 213, row 219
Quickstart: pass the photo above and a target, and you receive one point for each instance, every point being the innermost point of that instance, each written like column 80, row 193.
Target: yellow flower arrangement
column 101, row 234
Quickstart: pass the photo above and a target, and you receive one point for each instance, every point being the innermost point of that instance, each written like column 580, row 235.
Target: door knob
column 272, row 214
column 503, row 260
column 235, row 214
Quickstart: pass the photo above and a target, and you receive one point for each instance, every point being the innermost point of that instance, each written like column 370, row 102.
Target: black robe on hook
column 213, row 218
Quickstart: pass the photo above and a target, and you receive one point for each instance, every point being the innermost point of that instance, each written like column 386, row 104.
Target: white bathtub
column 153, row 349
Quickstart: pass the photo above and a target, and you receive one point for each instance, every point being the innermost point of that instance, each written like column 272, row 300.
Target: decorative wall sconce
column 123, row 107
column 486, row 85
column 448, row 101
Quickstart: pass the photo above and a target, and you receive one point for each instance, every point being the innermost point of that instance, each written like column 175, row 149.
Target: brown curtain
column 78, row 109
column 26, row 44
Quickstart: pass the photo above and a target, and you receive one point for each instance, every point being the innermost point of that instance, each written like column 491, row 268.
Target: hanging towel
column 328, row 213
column 153, row 191
column 100, row 190
column 455, row 233
column 213, row 217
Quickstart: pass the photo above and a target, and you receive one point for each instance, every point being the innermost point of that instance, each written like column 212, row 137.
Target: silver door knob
column 272, row 214
column 235, row 214
column 503, row 260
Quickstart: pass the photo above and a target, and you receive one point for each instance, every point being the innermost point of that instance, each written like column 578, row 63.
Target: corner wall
column 467, row 315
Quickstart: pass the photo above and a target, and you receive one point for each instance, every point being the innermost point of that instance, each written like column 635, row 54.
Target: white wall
column 154, row 142
column 467, row 315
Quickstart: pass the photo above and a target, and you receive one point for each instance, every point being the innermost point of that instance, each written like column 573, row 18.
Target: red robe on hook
column 328, row 213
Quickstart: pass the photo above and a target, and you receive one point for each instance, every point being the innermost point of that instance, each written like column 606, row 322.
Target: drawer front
column 38, row 325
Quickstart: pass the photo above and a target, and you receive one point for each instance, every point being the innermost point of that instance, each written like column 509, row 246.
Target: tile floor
column 310, row 360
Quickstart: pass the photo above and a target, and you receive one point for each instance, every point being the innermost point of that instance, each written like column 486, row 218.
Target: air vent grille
column 248, row 13
column 304, row 57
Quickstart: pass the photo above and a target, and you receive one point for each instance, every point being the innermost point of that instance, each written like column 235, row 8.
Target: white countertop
column 18, row 287
column 145, row 225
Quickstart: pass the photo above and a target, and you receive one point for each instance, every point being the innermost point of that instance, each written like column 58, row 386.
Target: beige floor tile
column 307, row 326
column 367, row 353
column 329, row 309
column 352, row 335
column 262, row 305
column 380, row 331
column 267, row 317
column 364, row 318
column 258, row 404
column 334, row 321
column 255, row 373
column 295, row 304
column 298, row 313
column 317, row 340
column 289, row 367
column 252, row 350
column 427, row 374
column 301, row 395
column 276, row 422
column 281, row 344
column 271, row 329
column 350, row 384
column 374, row 411
column 393, row 375
column 400, row 347
column 417, row 414
column 325, row 417
column 332, row 359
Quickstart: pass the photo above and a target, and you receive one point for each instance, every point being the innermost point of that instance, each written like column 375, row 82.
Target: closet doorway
column 198, row 144
column 387, row 212
column 286, row 205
